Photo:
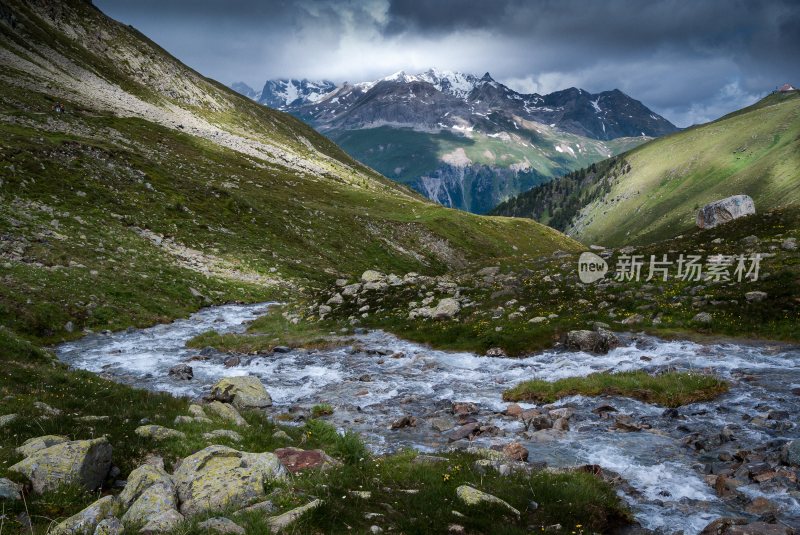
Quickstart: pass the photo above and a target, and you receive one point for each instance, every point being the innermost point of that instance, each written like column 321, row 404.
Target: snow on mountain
column 282, row 94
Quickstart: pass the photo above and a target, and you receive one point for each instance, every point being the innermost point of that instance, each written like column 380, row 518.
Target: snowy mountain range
column 466, row 141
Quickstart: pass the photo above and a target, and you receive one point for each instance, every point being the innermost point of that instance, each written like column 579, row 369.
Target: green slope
column 653, row 192
column 157, row 181
column 474, row 171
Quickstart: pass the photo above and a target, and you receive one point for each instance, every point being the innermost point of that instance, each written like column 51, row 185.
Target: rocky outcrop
column 218, row 477
column 86, row 462
column 724, row 210
column 244, row 392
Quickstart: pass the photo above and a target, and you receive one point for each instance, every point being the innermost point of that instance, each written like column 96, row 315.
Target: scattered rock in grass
column 221, row 525
column 755, row 297
column 9, row 491
column 7, row 419
column 218, row 477
column 87, row 520
column 703, row 317
column 226, row 412
column 281, row 522
column 197, row 411
column 46, row 409
column 789, row 244
column 472, row 496
column 244, row 392
column 372, row 276
column 280, row 434
column 32, row 445
column 181, row 372
column 362, row 494
column 86, row 462
column 447, row 308
column 429, row 459
column 158, row 432
column 297, row 460
column 375, row 529
column 261, row 507
column 223, row 433
column 162, row 523
column 190, row 420
column 600, row 341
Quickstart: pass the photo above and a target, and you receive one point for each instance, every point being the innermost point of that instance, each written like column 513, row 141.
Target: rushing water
column 380, row 378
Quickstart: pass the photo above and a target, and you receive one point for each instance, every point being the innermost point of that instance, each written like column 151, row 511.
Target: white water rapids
column 369, row 388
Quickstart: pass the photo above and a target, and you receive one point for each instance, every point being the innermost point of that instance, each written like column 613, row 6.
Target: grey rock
column 221, row 525
column 9, row 491
column 181, row 372
column 86, row 462
column 724, row 210
column 599, row 341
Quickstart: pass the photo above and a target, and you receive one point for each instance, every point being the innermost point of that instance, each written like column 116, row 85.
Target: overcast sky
column 690, row 60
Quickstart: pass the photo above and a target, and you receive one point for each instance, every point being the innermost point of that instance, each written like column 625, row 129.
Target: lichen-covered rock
column 197, row 411
column 163, row 523
column 140, row 480
column 724, row 210
column 9, row 490
column 297, row 460
column 281, row 522
column 219, row 477
column 599, row 341
column 32, row 445
column 245, row 392
column 223, row 433
column 372, row 276
column 191, row 420
column 446, row 308
column 473, row 496
column 86, row 462
column 153, row 501
column 87, row 520
column 221, row 525
column 110, row 526
column 157, row 432
column 226, row 412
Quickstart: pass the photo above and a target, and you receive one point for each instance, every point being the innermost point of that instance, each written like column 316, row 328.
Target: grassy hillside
column 653, row 192
column 474, row 171
column 157, row 190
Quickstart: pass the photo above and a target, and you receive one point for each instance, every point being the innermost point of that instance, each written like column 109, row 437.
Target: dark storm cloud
column 689, row 60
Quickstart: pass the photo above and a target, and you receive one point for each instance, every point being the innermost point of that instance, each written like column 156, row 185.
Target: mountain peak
column 487, row 77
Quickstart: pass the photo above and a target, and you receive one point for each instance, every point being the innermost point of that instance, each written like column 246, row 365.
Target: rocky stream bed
column 679, row 469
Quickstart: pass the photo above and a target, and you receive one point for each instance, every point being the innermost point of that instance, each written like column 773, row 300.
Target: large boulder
column 142, row 479
column 599, row 341
column 724, row 210
column 245, row 392
column 218, row 478
column 32, row 445
column 154, row 501
column 86, row 462
column 87, row 520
